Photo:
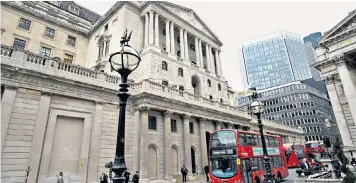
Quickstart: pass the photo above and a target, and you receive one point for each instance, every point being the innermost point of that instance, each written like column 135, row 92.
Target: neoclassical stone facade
column 336, row 59
column 58, row 116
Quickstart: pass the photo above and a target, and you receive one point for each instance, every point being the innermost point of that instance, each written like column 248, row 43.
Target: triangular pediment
column 344, row 25
column 190, row 16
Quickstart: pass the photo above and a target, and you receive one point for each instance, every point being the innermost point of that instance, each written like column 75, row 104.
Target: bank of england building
column 59, row 97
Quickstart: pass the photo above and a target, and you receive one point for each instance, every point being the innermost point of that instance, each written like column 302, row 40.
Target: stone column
column 146, row 29
column 95, row 143
column 156, row 30
column 217, row 62
column 207, row 57
column 187, row 146
column 200, row 52
column 38, row 138
column 7, row 104
column 167, row 145
column 218, row 125
column 197, row 51
column 339, row 114
column 220, row 66
column 204, row 153
column 144, row 143
column 173, row 50
column 168, row 43
column 186, row 47
column 150, row 38
column 349, row 88
column 181, row 37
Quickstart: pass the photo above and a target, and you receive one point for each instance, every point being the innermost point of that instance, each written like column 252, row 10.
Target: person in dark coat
column 103, row 178
column 184, row 172
column 135, row 178
column 206, row 169
column 127, row 176
column 304, row 164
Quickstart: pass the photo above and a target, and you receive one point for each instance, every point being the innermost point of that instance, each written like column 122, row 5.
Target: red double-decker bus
column 294, row 154
column 313, row 149
column 237, row 157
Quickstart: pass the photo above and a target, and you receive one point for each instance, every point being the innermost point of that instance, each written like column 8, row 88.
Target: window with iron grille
column 173, row 125
column 68, row 58
column 45, row 51
column 180, row 72
column 19, row 44
column 49, row 33
column 219, row 87
column 152, row 123
column 210, row 97
column 25, row 24
column 71, row 40
column 165, row 83
column 191, row 127
column 209, row 83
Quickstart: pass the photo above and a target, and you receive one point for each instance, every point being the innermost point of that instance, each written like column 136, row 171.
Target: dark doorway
column 207, row 137
column 193, row 160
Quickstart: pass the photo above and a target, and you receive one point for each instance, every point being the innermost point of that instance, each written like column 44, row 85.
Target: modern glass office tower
column 313, row 38
column 275, row 59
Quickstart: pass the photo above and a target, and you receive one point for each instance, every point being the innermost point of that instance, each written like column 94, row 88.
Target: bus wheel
column 279, row 178
column 257, row 180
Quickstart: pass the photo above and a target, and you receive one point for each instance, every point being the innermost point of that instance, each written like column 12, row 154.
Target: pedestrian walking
column 184, row 172
column 206, row 169
column 60, row 178
column 103, row 178
column 135, row 178
column 127, row 176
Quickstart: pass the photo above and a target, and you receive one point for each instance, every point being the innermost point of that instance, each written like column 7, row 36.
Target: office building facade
column 311, row 57
column 313, row 38
column 275, row 59
column 295, row 104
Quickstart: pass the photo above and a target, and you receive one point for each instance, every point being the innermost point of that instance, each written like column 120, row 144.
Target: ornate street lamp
column 124, row 61
column 257, row 108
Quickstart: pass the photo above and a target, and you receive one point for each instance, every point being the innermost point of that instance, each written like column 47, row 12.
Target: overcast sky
column 235, row 22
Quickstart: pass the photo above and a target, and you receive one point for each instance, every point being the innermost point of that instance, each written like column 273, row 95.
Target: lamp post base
column 118, row 167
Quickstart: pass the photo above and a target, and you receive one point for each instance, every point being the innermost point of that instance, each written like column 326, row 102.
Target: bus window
column 248, row 139
column 268, row 141
column 259, row 140
column 280, row 161
column 261, row 164
column 276, row 141
column 223, row 139
column 224, row 168
column 242, row 139
column 254, row 163
column 254, row 140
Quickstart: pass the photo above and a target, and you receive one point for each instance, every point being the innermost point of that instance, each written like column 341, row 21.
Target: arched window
column 209, row 83
column 180, row 72
column 219, row 87
column 164, row 66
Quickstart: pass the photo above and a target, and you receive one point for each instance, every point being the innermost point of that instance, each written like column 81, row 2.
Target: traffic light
column 326, row 141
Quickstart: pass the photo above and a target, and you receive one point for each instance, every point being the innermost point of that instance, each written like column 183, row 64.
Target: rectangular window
column 107, row 45
column 45, row 51
column 181, row 88
column 152, row 123
column 106, row 27
column 173, row 125
column 191, row 127
column 19, row 44
column 71, row 40
column 192, row 47
column 25, row 24
column 49, row 33
column 242, row 139
column 164, row 32
column 254, row 163
column 165, row 83
column 68, row 58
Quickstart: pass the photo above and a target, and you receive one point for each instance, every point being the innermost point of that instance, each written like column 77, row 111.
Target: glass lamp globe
column 125, row 58
column 257, row 107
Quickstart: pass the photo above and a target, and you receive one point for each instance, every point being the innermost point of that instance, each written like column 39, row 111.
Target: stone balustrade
column 55, row 68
